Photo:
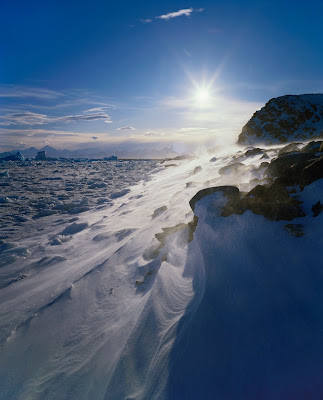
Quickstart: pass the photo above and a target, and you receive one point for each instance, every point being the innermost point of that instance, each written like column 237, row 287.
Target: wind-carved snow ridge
column 147, row 299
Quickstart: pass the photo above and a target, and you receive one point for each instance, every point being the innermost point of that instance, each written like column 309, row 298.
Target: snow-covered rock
column 14, row 157
column 285, row 119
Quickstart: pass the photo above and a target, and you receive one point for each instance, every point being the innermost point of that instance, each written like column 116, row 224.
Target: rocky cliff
column 285, row 119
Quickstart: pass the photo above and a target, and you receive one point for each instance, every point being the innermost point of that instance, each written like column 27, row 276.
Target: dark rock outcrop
column 274, row 202
column 290, row 148
column 253, row 152
column 313, row 147
column 312, row 172
column 295, row 229
column 317, row 208
column 283, row 164
column 159, row 211
column 285, row 119
column 236, row 168
column 41, row 156
column 275, row 199
column 296, row 169
column 230, row 192
column 264, row 164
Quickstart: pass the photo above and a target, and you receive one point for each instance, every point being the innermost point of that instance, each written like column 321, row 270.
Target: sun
column 202, row 95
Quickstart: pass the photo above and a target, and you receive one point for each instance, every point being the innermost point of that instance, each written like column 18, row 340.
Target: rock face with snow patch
column 276, row 200
column 285, row 119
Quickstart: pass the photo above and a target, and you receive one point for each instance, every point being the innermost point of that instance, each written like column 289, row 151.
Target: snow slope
column 231, row 311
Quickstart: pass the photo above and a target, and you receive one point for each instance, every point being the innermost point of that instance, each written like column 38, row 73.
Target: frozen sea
column 107, row 294
column 32, row 190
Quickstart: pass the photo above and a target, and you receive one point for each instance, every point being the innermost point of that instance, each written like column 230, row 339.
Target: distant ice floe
column 42, row 190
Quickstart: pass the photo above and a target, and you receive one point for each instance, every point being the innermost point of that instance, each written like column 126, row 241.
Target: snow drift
column 158, row 296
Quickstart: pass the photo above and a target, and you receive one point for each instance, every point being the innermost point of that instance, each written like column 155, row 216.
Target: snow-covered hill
column 285, row 119
column 204, row 282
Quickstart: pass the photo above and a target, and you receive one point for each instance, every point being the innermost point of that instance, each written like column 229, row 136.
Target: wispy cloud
column 81, row 117
column 38, row 133
column 37, row 136
column 35, row 97
column 97, row 109
column 32, row 119
column 192, row 129
column 126, row 128
column 146, row 21
column 185, row 11
column 39, row 115
column 180, row 13
column 14, row 91
column 153, row 134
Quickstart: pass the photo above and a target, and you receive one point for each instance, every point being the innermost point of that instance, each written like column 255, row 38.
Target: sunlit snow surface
column 90, row 309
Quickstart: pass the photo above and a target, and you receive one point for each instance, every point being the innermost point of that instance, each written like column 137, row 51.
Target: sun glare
column 202, row 96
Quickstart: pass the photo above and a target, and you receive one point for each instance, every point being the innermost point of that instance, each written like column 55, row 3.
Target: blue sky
column 96, row 73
